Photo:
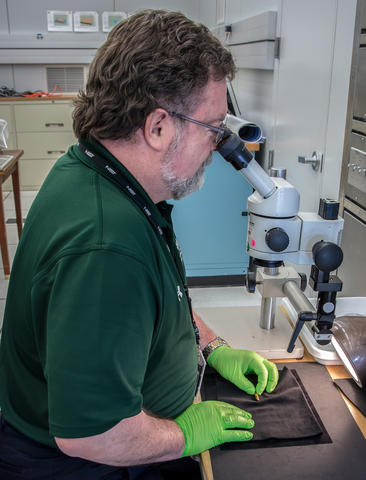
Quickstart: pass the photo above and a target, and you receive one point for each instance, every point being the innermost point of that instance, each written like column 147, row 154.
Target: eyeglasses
column 219, row 130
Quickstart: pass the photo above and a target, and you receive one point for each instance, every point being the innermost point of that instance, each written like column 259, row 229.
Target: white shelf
column 252, row 40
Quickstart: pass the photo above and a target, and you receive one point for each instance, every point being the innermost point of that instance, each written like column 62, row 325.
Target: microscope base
column 239, row 326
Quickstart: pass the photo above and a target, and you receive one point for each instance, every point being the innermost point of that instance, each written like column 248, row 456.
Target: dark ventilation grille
column 69, row 79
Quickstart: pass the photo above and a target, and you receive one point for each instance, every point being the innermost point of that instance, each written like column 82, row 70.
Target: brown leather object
column 354, row 393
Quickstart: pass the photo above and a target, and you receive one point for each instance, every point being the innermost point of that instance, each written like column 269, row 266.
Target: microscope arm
column 327, row 257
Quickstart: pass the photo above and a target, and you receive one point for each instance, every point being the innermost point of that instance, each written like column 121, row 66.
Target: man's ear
column 159, row 129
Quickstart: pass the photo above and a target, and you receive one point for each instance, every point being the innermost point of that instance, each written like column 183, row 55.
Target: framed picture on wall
column 86, row 22
column 111, row 19
column 59, row 21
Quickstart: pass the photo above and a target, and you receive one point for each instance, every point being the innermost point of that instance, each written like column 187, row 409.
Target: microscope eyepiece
column 233, row 149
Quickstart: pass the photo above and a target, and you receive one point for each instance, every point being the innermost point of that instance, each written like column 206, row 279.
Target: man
column 99, row 349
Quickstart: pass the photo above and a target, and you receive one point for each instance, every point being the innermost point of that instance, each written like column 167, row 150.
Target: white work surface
column 234, row 314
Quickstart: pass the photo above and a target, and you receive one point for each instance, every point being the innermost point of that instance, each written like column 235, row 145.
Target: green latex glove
column 207, row 424
column 235, row 364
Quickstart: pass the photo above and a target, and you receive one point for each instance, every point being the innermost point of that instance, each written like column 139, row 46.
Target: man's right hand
column 207, row 424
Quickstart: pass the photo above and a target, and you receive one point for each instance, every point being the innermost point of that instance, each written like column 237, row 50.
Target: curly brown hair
column 155, row 58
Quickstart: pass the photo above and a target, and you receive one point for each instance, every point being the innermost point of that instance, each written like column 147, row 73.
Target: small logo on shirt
column 90, row 154
column 147, row 211
column 179, row 293
column 132, row 192
column 110, row 170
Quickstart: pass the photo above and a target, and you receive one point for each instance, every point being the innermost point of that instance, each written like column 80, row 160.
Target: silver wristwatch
column 210, row 347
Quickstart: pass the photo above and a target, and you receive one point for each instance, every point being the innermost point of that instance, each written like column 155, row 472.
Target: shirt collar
column 161, row 211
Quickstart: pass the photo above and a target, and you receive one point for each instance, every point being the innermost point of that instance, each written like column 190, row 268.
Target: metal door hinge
column 270, row 159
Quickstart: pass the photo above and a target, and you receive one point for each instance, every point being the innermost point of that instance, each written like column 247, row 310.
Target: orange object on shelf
column 45, row 94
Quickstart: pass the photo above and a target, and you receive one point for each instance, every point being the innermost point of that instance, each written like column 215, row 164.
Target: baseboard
column 216, row 281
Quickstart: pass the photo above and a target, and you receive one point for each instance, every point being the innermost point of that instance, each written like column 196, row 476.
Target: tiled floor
column 27, row 198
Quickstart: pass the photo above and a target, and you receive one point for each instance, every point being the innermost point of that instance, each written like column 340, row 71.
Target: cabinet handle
column 54, row 124
column 357, row 150
column 50, row 152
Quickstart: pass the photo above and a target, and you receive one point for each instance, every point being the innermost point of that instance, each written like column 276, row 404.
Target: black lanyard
column 117, row 176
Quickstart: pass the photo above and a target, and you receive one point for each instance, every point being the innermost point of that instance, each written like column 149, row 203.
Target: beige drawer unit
column 43, row 117
column 43, row 129
column 41, row 145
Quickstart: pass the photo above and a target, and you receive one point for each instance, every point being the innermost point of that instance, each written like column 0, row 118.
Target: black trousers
column 21, row 458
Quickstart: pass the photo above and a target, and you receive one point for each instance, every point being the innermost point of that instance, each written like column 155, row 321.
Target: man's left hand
column 234, row 364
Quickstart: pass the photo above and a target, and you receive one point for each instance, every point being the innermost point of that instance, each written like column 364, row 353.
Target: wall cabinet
column 43, row 129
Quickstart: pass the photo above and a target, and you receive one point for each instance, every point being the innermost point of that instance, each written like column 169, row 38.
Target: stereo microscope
column 278, row 232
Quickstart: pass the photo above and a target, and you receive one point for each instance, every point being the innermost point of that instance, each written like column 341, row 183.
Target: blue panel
column 209, row 224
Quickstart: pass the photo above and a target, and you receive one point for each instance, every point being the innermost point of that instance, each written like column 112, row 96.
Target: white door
column 311, row 91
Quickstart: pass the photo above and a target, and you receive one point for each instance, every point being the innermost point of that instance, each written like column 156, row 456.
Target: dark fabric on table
column 353, row 392
column 285, row 417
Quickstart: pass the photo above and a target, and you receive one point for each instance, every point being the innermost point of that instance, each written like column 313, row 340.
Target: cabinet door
column 43, row 117
column 359, row 103
column 352, row 270
column 209, row 224
column 311, row 91
column 45, row 145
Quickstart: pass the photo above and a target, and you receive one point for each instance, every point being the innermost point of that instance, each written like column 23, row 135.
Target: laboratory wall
column 301, row 101
column 211, row 224
column 253, row 87
column 22, row 20
column 30, row 16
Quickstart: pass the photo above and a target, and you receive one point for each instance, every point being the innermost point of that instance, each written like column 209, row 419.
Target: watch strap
column 210, row 347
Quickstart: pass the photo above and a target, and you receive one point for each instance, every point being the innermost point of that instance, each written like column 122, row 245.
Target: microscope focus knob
column 327, row 256
column 277, row 239
column 251, row 281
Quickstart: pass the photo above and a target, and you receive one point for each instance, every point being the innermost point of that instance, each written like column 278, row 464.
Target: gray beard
column 178, row 187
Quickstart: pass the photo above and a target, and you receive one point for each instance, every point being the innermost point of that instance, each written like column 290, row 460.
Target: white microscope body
column 277, row 232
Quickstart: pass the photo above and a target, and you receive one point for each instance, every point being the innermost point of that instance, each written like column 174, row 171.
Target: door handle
column 316, row 160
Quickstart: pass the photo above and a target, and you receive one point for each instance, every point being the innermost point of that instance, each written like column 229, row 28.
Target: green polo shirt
column 95, row 327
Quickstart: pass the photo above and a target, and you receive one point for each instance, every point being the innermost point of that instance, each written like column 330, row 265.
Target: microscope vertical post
column 268, row 305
